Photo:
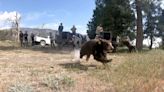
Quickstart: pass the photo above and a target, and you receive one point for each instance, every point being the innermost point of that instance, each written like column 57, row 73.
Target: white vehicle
column 42, row 40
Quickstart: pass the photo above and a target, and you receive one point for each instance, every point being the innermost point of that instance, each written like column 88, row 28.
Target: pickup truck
column 42, row 40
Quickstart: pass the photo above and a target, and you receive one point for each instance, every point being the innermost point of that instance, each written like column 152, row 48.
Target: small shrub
column 52, row 82
column 58, row 82
column 67, row 81
column 19, row 87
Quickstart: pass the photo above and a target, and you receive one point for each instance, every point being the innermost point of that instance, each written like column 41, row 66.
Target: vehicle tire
column 43, row 43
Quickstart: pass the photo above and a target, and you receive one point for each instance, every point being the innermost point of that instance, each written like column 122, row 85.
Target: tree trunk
column 139, row 39
column 162, row 41
column 17, row 27
column 18, row 31
column 151, row 41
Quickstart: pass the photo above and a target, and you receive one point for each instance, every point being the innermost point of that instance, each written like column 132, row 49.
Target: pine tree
column 115, row 16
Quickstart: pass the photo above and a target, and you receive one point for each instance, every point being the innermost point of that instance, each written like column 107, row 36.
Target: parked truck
column 43, row 41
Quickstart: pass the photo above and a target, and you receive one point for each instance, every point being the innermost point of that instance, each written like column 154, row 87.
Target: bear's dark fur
column 130, row 46
column 98, row 48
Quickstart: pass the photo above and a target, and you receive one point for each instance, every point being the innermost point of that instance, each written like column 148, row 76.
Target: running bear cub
column 98, row 48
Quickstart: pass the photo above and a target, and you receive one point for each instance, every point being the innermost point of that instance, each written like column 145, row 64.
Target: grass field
column 49, row 70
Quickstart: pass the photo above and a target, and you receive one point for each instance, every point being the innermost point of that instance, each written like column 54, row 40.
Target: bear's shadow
column 77, row 66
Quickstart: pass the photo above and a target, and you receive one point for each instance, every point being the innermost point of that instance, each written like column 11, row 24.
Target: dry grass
column 58, row 82
column 20, row 87
column 140, row 72
column 49, row 70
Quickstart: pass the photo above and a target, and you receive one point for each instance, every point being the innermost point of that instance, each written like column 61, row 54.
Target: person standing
column 52, row 40
column 26, row 39
column 99, row 30
column 21, row 38
column 32, row 39
column 60, row 29
column 73, row 29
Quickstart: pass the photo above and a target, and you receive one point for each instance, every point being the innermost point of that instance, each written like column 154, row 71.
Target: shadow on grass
column 51, row 50
column 77, row 66
column 46, row 49
column 126, row 50
column 8, row 48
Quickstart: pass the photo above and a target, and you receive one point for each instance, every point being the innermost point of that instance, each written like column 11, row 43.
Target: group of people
column 61, row 27
column 23, row 37
column 99, row 30
column 75, row 37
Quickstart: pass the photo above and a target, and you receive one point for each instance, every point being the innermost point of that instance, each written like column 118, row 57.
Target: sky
column 47, row 13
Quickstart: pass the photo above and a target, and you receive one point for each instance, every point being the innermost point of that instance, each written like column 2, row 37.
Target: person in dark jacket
column 26, row 39
column 21, row 38
column 60, row 29
column 32, row 39
column 73, row 29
